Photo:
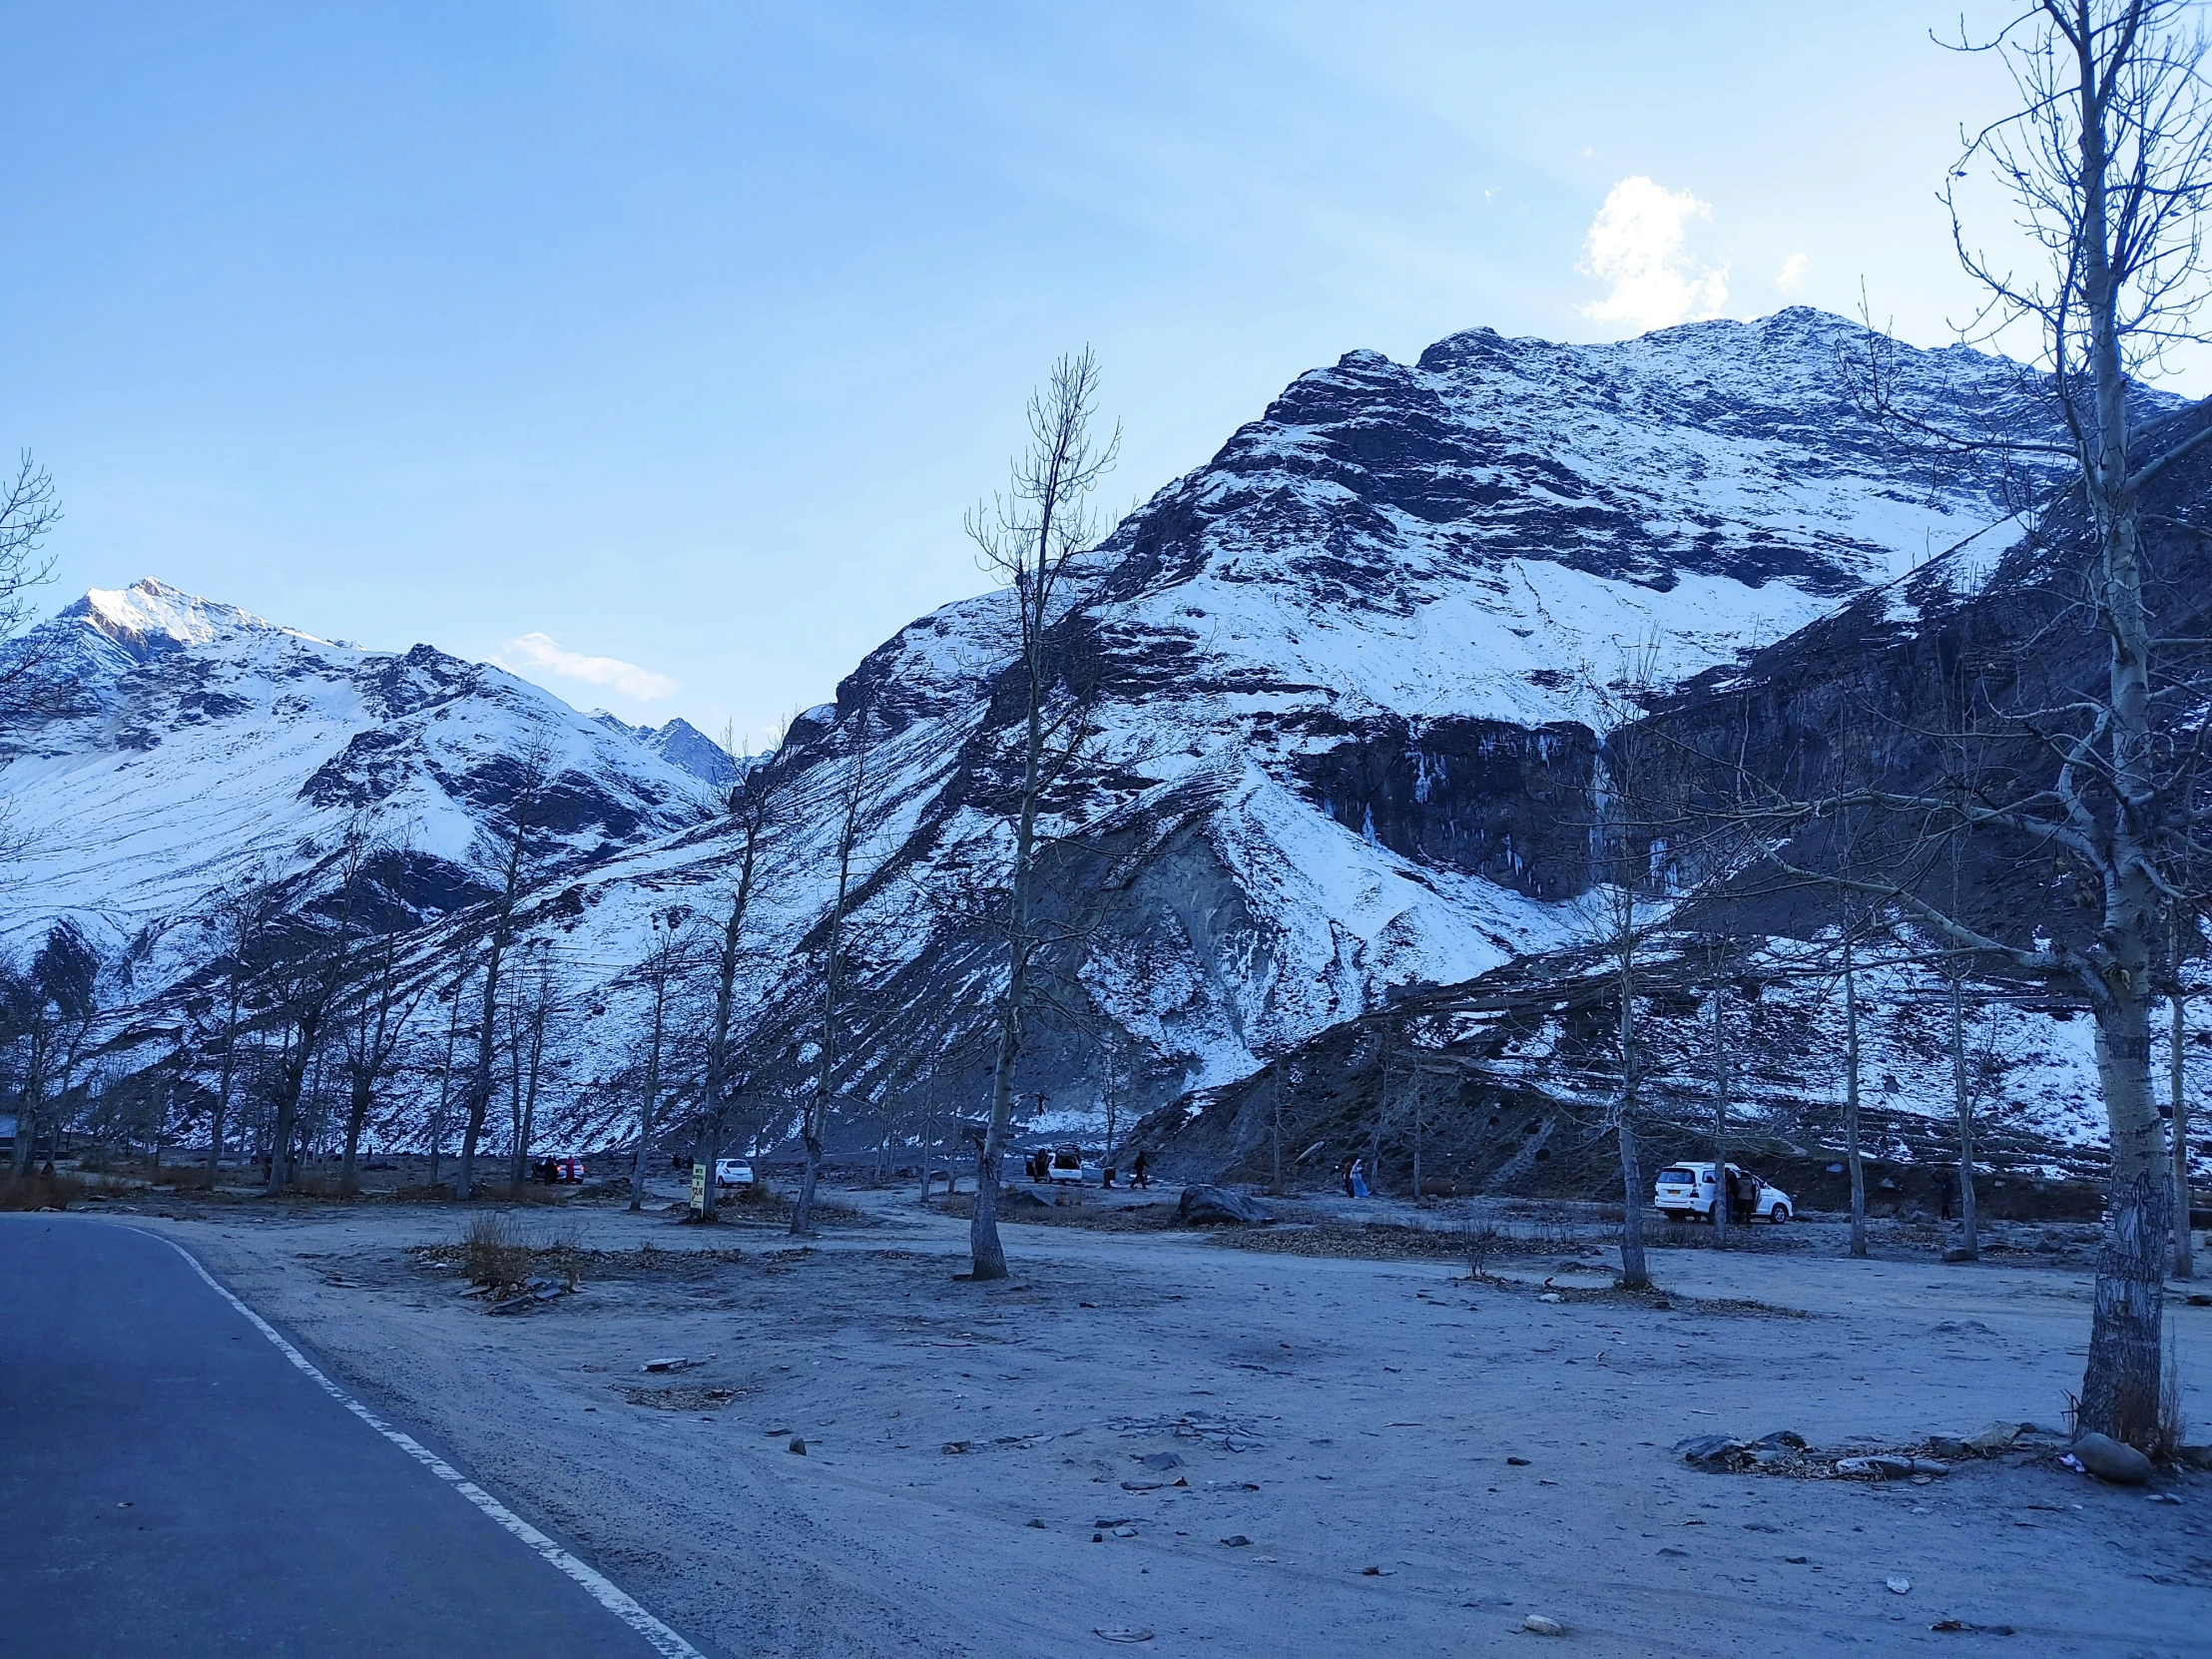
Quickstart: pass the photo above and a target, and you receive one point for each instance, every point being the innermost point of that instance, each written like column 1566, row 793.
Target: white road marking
column 601, row 1588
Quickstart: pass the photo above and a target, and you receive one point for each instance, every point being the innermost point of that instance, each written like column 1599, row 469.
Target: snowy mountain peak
column 149, row 616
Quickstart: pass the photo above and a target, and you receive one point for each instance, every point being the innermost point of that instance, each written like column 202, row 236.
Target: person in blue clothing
column 1359, row 1178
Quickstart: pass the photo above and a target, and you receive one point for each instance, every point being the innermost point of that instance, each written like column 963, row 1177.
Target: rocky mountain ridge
column 1346, row 675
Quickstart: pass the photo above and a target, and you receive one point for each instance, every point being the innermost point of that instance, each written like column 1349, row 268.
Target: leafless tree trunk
column 752, row 805
column 814, row 1121
column 240, row 920
column 379, row 1020
column 1962, row 1102
column 532, row 1012
column 1722, row 1220
column 2177, row 1096
column 1030, row 538
column 1851, row 1098
column 445, row 1077
column 534, row 766
column 663, row 966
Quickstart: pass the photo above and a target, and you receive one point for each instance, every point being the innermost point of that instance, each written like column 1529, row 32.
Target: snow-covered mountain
column 160, row 747
column 1345, row 674
column 1346, row 670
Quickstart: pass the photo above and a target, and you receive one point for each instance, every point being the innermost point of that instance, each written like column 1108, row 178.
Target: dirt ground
column 1354, row 1455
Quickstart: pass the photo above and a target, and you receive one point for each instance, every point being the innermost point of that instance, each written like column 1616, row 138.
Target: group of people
column 1353, row 1171
column 1041, row 1162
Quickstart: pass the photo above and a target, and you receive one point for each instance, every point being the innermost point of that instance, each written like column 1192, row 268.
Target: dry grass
column 493, row 1254
column 38, row 1190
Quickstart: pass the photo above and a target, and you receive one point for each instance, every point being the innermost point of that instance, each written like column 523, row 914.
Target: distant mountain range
column 1343, row 743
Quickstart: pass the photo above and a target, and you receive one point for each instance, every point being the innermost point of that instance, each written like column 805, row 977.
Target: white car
column 733, row 1172
column 1685, row 1191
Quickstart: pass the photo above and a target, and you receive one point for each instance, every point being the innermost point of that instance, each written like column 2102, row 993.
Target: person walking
column 1358, row 1180
column 1947, row 1191
column 1140, row 1174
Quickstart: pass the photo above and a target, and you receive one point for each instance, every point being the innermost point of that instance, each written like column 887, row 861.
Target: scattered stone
column 1781, row 1438
column 1235, row 1541
column 1104, row 1634
column 1551, row 1295
column 1537, row 1625
column 1715, row 1453
column 1038, row 1524
column 1518, row 1462
column 676, row 1364
column 1669, row 1549
column 1998, row 1436
column 1218, row 1207
column 1020, row 1197
column 799, row 1445
column 1883, row 1467
column 1898, row 1585
column 2164, row 1498
column 953, row 1448
column 2108, row 1460
column 535, row 1293
column 1974, row 1629
column 2196, row 1456
column 1161, row 1461
column 1950, row 1445
column 1797, row 1561
column 1958, row 1253
column 2200, row 1298
column 1125, row 1533
column 1662, row 1303
column 1927, row 1468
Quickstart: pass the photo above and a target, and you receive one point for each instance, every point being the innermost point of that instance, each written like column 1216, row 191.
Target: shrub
column 493, row 1255
column 39, row 1190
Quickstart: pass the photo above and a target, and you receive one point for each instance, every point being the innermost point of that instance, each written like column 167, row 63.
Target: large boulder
column 1220, row 1207
column 2108, row 1460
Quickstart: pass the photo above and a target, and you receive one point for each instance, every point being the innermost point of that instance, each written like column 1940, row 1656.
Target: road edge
column 595, row 1583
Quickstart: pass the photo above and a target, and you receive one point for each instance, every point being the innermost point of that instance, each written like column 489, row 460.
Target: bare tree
column 440, row 1113
column 1851, row 1156
column 29, row 509
column 373, row 1028
column 52, row 1004
column 813, row 1123
column 532, row 775
column 534, row 1000
column 752, row 804
column 667, row 960
column 2108, row 162
column 1030, row 538
column 2183, row 934
column 309, row 961
column 240, row 920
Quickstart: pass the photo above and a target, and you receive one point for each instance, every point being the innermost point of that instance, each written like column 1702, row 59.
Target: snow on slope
column 1346, row 665
column 179, row 745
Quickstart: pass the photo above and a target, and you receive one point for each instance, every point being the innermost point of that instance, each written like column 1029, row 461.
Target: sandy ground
column 1351, row 1418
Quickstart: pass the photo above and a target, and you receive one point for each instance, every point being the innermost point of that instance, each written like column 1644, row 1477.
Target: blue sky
column 675, row 338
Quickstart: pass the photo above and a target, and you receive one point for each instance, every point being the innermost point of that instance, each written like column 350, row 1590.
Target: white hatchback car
column 1685, row 1191
column 733, row 1172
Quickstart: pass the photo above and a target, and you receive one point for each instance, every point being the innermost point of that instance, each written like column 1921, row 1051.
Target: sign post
column 698, row 1188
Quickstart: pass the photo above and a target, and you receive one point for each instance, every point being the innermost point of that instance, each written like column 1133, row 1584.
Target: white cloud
column 1793, row 274
column 1638, row 244
column 541, row 654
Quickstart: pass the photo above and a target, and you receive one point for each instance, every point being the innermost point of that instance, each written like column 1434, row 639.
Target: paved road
column 171, row 1483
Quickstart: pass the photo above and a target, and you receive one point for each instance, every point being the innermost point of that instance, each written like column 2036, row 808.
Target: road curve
column 171, row 1482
